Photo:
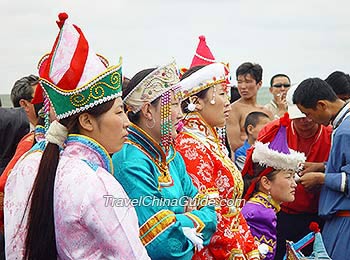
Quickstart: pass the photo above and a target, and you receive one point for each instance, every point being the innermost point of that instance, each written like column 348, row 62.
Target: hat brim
column 294, row 112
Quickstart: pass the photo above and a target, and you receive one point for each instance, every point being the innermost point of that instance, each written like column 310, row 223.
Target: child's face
column 262, row 122
column 282, row 187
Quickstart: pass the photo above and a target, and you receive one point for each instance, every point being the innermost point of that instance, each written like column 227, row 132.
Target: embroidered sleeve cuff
column 198, row 223
column 156, row 225
column 185, row 221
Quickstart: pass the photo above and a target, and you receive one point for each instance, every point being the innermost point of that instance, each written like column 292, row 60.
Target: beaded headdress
column 157, row 84
column 75, row 78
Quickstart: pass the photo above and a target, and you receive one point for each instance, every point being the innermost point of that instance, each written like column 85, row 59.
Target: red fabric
column 23, row 146
column 214, row 175
column 72, row 76
column 204, row 51
column 305, row 202
column 38, row 95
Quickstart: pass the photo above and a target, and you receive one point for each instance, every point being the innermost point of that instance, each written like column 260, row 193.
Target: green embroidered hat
column 74, row 77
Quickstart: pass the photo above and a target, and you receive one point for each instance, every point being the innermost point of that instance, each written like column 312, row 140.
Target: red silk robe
column 213, row 173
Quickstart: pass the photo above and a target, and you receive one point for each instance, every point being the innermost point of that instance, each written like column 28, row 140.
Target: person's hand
column 312, row 181
column 281, row 101
column 312, row 167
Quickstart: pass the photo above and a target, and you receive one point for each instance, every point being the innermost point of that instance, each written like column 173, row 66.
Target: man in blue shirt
column 317, row 100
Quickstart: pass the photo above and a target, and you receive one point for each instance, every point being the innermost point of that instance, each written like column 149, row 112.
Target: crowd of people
column 172, row 163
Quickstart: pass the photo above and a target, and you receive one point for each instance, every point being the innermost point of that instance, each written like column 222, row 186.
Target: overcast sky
column 302, row 38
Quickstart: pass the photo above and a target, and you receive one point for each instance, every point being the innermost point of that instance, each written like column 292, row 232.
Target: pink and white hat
column 73, row 76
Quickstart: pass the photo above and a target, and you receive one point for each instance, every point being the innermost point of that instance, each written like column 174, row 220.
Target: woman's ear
column 86, row 122
column 198, row 102
column 146, row 111
column 265, row 183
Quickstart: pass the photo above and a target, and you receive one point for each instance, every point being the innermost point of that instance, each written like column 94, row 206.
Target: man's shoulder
column 328, row 129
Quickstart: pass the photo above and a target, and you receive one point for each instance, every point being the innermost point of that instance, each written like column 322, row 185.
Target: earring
column 269, row 198
column 153, row 123
column 191, row 107
column 212, row 101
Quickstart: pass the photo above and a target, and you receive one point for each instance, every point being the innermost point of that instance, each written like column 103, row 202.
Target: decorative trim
column 263, row 199
column 155, row 153
column 156, row 225
column 104, row 87
column 269, row 242
column 204, row 78
column 236, row 253
column 94, row 146
column 198, row 223
column 254, row 254
column 194, row 91
column 205, row 59
column 267, row 157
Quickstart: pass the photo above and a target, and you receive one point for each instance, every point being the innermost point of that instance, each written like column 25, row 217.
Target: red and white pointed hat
column 72, row 62
column 73, row 76
column 203, row 54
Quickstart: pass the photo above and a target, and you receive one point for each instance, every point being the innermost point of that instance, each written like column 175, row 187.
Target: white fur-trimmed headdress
column 272, row 152
column 277, row 154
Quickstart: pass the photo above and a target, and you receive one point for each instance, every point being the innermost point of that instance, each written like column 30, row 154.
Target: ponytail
column 40, row 242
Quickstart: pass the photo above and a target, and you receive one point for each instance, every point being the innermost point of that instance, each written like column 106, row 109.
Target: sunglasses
column 279, row 85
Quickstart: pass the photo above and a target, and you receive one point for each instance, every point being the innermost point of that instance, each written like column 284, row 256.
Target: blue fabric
column 137, row 172
column 40, row 146
column 336, row 237
column 331, row 198
column 242, row 151
column 336, row 233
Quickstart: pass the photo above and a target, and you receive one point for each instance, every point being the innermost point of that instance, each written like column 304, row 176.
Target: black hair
column 340, row 82
column 311, row 90
column 200, row 94
column 257, row 169
column 23, row 89
column 277, row 76
column 255, row 70
column 234, row 94
column 127, row 88
column 253, row 119
column 40, row 242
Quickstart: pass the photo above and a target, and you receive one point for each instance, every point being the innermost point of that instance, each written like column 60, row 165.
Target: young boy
column 252, row 125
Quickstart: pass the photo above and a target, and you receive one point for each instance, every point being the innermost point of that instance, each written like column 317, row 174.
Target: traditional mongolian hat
column 271, row 151
column 204, row 78
column 158, row 83
column 73, row 76
column 203, row 55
